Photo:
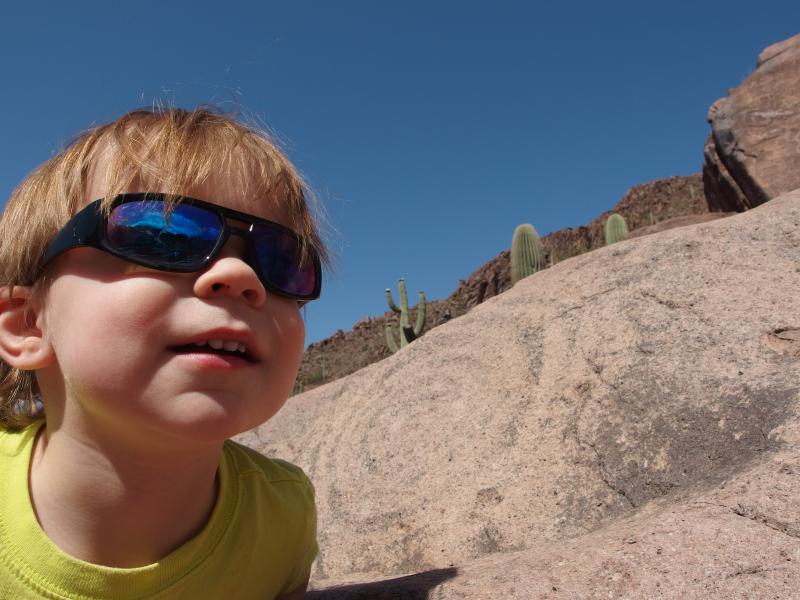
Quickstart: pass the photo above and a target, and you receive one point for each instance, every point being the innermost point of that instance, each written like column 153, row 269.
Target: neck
column 116, row 506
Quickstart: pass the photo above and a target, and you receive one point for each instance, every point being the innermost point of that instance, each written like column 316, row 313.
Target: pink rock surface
column 623, row 424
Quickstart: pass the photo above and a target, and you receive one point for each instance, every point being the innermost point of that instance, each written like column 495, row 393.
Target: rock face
column 625, row 423
column 753, row 152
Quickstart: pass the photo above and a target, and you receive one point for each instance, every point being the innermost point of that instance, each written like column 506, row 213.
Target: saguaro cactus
column 616, row 229
column 407, row 333
column 526, row 252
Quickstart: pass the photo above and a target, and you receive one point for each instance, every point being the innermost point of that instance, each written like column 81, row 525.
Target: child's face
column 120, row 334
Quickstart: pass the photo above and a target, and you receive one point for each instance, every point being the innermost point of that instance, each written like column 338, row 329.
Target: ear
column 22, row 343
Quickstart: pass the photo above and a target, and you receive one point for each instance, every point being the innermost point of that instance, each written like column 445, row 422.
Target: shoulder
column 247, row 462
column 272, row 496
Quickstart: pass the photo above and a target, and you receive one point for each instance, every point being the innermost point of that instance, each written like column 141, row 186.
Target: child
column 151, row 279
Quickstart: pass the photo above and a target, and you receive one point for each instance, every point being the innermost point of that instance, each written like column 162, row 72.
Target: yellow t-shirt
column 259, row 542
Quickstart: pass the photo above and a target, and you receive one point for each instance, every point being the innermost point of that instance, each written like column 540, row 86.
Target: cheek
column 97, row 330
column 293, row 330
column 289, row 341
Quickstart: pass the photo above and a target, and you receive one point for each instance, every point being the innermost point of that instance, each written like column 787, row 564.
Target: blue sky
column 428, row 129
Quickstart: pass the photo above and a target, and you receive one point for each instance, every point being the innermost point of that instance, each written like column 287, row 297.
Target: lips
column 231, row 344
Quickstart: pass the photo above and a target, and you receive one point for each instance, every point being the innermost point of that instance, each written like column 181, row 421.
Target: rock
column 710, row 547
column 753, row 152
column 623, row 424
column 721, row 191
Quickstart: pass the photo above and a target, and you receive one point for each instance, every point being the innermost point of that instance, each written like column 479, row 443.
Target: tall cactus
column 616, row 229
column 526, row 252
column 407, row 333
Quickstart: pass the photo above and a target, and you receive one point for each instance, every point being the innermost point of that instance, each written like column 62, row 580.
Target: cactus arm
column 390, row 301
column 401, row 286
column 390, row 338
column 420, row 315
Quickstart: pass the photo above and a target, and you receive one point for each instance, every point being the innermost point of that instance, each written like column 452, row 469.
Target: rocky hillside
column 647, row 208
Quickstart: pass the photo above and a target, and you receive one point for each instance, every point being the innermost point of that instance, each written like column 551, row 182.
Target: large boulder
column 753, row 152
column 623, row 423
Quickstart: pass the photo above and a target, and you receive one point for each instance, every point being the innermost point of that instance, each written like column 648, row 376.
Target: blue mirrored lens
column 279, row 259
column 180, row 239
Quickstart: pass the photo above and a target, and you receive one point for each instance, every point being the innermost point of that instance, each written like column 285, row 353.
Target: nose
column 230, row 276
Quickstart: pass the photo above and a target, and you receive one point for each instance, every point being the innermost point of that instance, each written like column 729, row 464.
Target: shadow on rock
column 410, row 587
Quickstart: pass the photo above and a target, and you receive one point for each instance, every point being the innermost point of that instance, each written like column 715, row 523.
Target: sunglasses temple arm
column 81, row 231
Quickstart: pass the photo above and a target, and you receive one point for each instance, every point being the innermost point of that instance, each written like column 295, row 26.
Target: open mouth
column 219, row 347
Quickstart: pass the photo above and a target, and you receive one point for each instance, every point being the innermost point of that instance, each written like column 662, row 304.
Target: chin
column 215, row 421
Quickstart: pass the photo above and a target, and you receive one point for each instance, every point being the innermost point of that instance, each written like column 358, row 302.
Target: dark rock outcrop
column 753, row 152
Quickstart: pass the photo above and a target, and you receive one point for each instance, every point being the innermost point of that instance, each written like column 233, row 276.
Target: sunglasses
column 184, row 237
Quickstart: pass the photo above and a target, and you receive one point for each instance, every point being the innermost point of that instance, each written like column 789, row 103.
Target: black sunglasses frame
column 88, row 228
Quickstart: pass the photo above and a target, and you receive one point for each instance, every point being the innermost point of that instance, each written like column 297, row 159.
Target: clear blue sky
column 429, row 129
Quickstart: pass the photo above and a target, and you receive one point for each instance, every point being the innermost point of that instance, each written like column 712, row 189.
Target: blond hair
column 173, row 150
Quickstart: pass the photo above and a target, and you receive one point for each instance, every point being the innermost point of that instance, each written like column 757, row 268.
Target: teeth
column 229, row 345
